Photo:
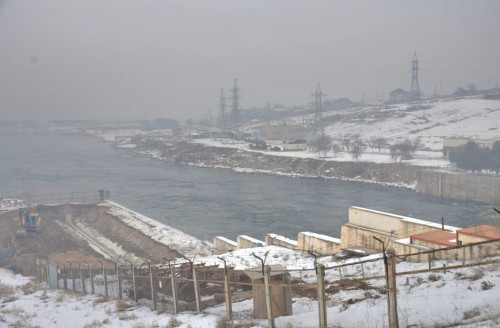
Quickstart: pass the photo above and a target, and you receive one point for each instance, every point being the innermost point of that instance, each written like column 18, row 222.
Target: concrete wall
column 277, row 240
column 479, row 188
column 358, row 237
column 248, row 242
column 321, row 244
column 466, row 253
column 374, row 219
column 409, row 227
column 466, row 239
column 224, row 244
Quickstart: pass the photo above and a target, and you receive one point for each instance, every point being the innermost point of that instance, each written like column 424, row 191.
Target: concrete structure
column 224, row 244
column 478, row 234
column 364, row 224
column 319, row 244
column 468, row 187
column 249, row 242
column 284, row 132
column 295, row 145
column 277, row 240
column 281, row 292
column 434, row 239
column 450, row 144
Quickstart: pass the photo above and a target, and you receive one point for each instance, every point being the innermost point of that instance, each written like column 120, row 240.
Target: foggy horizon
column 146, row 59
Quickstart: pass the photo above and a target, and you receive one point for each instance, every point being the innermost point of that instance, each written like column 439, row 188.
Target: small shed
column 281, row 292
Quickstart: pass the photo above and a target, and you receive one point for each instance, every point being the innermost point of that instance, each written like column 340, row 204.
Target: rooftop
column 482, row 231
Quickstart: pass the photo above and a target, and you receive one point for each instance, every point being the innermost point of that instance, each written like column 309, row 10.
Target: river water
column 206, row 202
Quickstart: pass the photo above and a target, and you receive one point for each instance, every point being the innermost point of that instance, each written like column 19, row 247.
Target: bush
column 485, row 285
column 434, row 277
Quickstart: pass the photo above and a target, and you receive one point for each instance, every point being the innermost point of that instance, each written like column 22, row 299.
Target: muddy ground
column 57, row 242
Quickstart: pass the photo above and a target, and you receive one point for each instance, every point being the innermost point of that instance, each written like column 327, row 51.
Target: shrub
column 434, row 277
column 485, row 285
column 471, row 313
column 173, row 322
column 122, row 305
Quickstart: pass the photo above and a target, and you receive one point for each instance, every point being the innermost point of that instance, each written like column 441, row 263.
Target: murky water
column 206, row 202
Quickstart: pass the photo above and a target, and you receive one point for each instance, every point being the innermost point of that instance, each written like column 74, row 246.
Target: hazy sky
column 125, row 59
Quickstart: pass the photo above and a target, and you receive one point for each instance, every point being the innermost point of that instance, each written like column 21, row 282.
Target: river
column 206, row 202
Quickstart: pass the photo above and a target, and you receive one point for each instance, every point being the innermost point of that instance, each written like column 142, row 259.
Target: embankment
column 425, row 180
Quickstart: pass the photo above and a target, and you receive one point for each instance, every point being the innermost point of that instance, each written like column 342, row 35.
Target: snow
column 453, row 298
column 431, row 122
column 183, row 243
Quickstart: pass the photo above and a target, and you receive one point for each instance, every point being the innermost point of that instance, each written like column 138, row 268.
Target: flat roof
column 439, row 237
column 483, row 231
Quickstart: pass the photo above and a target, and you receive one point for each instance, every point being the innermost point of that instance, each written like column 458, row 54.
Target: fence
column 176, row 287
column 89, row 196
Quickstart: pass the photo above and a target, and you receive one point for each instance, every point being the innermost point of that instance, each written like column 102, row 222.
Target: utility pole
column 415, row 88
column 222, row 110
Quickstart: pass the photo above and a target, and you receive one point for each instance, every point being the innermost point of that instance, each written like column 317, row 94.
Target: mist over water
column 207, row 202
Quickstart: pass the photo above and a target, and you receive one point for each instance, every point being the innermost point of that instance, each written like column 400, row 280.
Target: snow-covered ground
column 183, row 243
column 430, row 122
column 465, row 297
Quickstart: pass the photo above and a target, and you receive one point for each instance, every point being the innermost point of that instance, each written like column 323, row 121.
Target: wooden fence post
column 81, row 278
column 135, row 286
column 363, row 270
column 174, row 287
column 196, row 291
column 119, row 283
column 65, row 278
column 227, row 292
column 391, row 291
column 92, row 280
column 269, row 304
column 152, row 285
column 105, row 282
column 320, row 274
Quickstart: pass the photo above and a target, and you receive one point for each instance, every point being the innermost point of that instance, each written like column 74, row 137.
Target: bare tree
column 336, row 149
column 346, row 142
column 404, row 149
column 358, row 147
column 380, row 142
column 322, row 143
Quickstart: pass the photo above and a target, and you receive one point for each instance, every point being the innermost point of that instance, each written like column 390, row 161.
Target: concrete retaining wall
column 321, row 244
column 277, row 240
column 358, row 237
column 224, row 244
column 249, row 242
column 473, row 187
column 374, row 219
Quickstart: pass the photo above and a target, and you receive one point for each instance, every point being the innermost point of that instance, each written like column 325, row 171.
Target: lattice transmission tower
column 222, row 110
column 318, row 110
column 415, row 88
column 235, row 110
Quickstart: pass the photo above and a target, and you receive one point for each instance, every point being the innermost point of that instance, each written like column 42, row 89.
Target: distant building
column 284, row 132
column 398, row 95
column 450, row 144
column 294, row 145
